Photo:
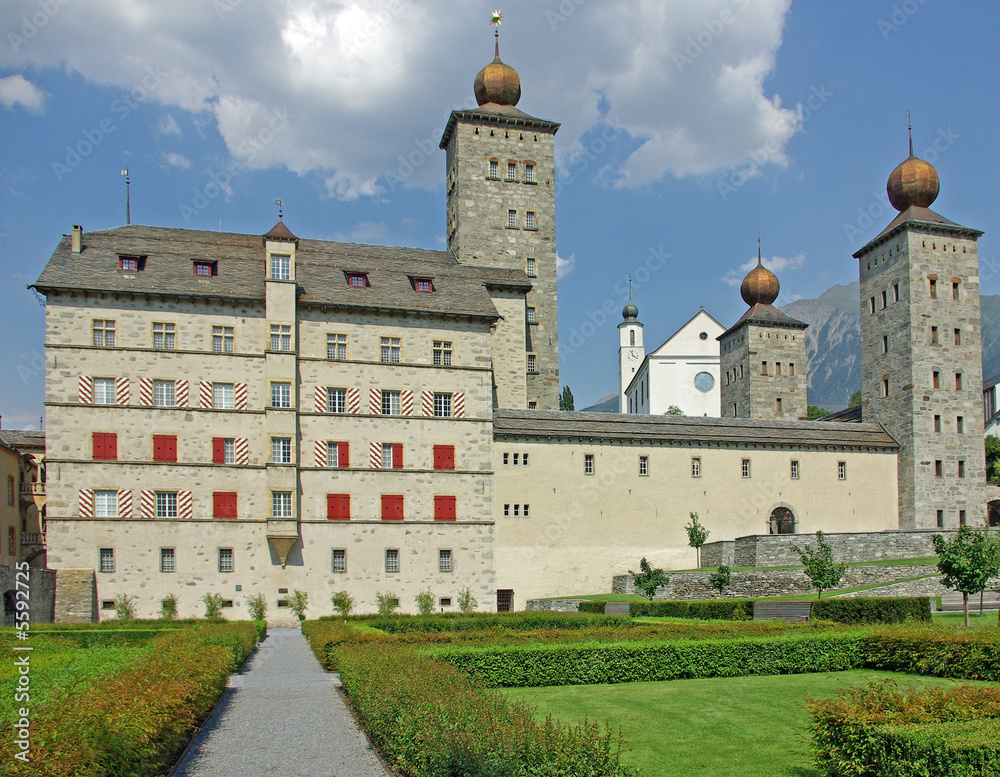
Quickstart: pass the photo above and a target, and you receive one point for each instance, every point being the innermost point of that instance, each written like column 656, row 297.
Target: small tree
column 648, row 579
column 993, row 459
column 820, row 567
column 566, row 399
column 387, row 603
column 342, row 602
column 814, row 411
column 720, row 579
column 674, row 410
column 213, row 606
column 855, row 399
column 697, row 535
column 425, row 602
column 168, row 608
column 125, row 607
column 967, row 562
column 258, row 607
column 466, row 601
column 298, row 604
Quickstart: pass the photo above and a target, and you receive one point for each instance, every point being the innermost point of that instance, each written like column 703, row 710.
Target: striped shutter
column 146, row 391
column 86, row 503
column 147, row 504
column 406, row 402
column 240, row 390
column 125, row 504
column 205, row 395
column 85, row 393
column 458, row 404
column 375, row 455
column 319, row 403
column 353, row 401
column 181, row 393
column 321, row 460
column 427, row 402
column 242, row 450
column 184, row 505
column 374, row 401
column 121, row 391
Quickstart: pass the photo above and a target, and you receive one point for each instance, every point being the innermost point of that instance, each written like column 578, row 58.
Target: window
column 746, row 468
column 223, row 450
column 445, row 561
column 281, row 337
column 281, row 450
column 517, row 509
column 164, row 336
column 281, row 504
column 222, row 339
column 955, row 290
column 205, row 268
column 226, row 562
column 871, row 305
column 530, row 268
column 529, row 173
column 163, row 393
column 358, row 280
column 933, row 284
column 696, row 467
column 938, row 468
column 494, row 169
column 958, row 337
column 940, row 519
column 532, row 405
column 128, row 263
column 444, row 457
column 885, row 386
column 512, row 219
column 104, row 391
column 795, row 470
column 960, row 424
column 444, row 508
column 167, row 560
column 105, row 446
column 338, row 454
column 392, row 507
column 524, row 460
column 763, row 368
column 885, row 343
column 511, row 171
column 644, row 465
column 777, row 404
column 166, row 504
column 936, row 379
column 390, row 350
column 224, row 505
column 12, row 540
column 392, row 455
column 336, row 346
column 281, row 395
column 532, row 364
column 884, row 303
column 10, row 491
column 390, row 403
column 338, row 507
column 423, row 284
column 934, row 335
column 895, row 292
column 588, row 464
column 506, row 511
column 961, row 517
column 937, row 423
column 529, row 219
column 791, row 369
column 958, row 381
column 104, row 333
column 339, row 561
column 530, row 315
column 281, row 267
column 164, row 447
column 526, row 510
column 442, row 405
column 841, row 470
column 391, row 560
column 105, row 504
column 442, row 352
column 336, row 400
column 961, row 468
column 107, row 559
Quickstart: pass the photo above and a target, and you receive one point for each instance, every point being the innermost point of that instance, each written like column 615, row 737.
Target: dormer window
column 357, row 279
column 422, row 284
column 206, row 269
column 130, row 262
column 281, row 267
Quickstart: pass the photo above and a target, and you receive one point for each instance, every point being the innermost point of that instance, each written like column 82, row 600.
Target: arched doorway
column 782, row 521
column 8, row 608
column 993, row 512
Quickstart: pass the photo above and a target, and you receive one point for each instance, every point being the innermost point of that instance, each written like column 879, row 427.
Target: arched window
column 782, row 521
column 631, row 337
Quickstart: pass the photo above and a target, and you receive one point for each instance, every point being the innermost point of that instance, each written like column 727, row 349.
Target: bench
column 783, row 611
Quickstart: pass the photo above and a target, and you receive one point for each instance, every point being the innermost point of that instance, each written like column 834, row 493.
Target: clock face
column 704, row 382
column 634, row 356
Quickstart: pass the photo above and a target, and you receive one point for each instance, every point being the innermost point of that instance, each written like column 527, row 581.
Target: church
column 243, row 414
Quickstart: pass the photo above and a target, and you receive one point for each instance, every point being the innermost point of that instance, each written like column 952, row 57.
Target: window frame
column 103, row 332
column 281, row 267
column 446, row 561
column 696, row 466
column 165, row 504
column 281, row 338
column 168, row 558
column 745, row 471
column 162, row 390
column 109, row 508
column 167, row 335
column 223, row 339
column 281, row 450
column 336, row 397
column 441, row 352
column 841, row 470
column 107, row 391
column 391, row 402
column 392, row 564
column 281, row 394
column 227, row 561
column 282, row 505
column 643, row 466
column 336, row 346
column 106, row 561
column 588, row 464
column 444, row 404
column 390, row 349
column 338, row 563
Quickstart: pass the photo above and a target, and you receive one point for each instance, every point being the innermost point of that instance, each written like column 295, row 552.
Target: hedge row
column 961, row 654
column 431, row 720
column 136, row 722
column 873, row 609
column 877, row 731
column 513, row 621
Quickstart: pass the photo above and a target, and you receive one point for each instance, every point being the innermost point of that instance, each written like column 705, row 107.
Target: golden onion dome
column 913, row 182
column 498, row 83
column 760, row 286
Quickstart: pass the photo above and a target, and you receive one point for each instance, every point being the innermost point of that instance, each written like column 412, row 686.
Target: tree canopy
column 648, row 579
column 967, row 561
column 820, row 568
column 566, row 401
column 697, row 535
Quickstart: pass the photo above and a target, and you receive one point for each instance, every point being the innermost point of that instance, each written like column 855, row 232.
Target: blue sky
column 686, row 124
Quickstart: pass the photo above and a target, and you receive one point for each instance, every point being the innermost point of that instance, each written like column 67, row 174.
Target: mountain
column 990, row 310
column 608, row 404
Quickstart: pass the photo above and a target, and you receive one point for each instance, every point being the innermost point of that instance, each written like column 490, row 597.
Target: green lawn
column 987, row 620
column 719, row 727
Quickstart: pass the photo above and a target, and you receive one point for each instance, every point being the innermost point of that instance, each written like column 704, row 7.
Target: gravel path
column 281, row 716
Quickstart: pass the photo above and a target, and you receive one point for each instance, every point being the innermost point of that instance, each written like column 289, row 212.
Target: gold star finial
column 496, row 18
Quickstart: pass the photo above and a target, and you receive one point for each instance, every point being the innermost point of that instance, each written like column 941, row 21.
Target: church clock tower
column 631, row 351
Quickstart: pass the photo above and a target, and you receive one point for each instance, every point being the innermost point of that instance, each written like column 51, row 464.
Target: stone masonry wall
column 553, row 605
column 41, row 591
column 76, row 596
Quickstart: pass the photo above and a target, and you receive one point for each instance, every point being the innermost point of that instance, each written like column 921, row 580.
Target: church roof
column 767, row 315
column 917, row 216
column 321, row 271
column 687, row 430
column 680, row 330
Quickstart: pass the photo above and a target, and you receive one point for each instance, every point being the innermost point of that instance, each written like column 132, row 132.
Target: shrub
column 342, row 602
column 870, row 609
column 298, row 604
column 720, row 579
column 168, row 608
column 425, row 602
column 386, row 603
column 519, row 621
column 969, row 655
column 706, row 609
column 125, row 607
column 466, row 601
column 594, row 607
column 257, row 605
column 213, row 606
column 648, row 578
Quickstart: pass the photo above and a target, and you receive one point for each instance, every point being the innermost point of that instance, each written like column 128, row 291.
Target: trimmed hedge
column 873, row 609
column 962, row 654
column 702, row 609
column 514, row 621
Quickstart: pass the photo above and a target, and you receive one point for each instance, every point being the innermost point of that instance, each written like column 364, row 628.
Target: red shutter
column 444, row 508
column 397, row 457
column 164, row 447
column 392, row 507
column 338, row 507
column 218, row 450
column 224, row 505
column 105, row 446
column 444, row 457
column 97, row 440
column 343, row 454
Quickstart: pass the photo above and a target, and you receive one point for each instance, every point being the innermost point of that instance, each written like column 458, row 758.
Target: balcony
column 33, row 493
column 32, row 545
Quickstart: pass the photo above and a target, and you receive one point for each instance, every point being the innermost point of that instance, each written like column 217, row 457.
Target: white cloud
column 363, row 232
column 168, row 125
column 776, row 264
column 17, row 90
column 174, row 159
column 359, row 90
column 565, row 265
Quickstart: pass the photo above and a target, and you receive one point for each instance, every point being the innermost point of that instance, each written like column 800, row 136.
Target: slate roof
column 321, row 268
column 852, row 414
column 916, row 215
column 768, row 315
column 724, row 432
column 501, row 115
column 23, row 439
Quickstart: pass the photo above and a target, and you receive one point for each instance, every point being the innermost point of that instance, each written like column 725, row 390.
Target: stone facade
column 76, row 596
column 553, row 605
column 764, row 371
column 41, row 593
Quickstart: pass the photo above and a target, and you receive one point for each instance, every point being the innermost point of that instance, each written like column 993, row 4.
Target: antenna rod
column 128, row 198
column 758, row 245
column 909, row 131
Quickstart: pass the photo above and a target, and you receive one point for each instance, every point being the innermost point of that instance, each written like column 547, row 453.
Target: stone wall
column 41, row 591
column 76, row 596
column 553, row 605
column 715, row 554
column 776, row 549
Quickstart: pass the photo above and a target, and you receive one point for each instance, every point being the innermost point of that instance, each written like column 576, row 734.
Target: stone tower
column 921, row 350
column 631, row 351
column 501, row 211
column 763, row 355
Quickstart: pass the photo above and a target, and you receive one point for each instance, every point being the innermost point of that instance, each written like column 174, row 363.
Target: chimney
column 76, row 242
